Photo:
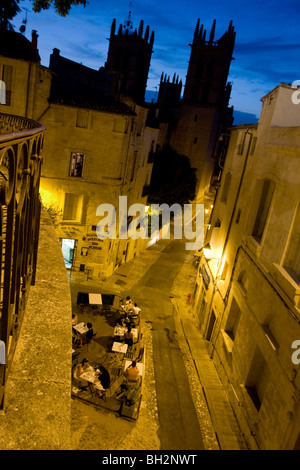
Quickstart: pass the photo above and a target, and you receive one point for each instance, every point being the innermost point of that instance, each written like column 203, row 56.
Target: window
column 264, row 190
column 292, row 257
column 257, row 379
column 133, row 165
column 243, row 281
column 233, row 320
column 119, row 125
column 270, row 337
column 5, row 84
column 253, row 145
column 224, row 271
column 73, row 207
column 76, row 166
column 226, row 187
column 140, row 123
column 238, row 216
column 152, row 152
column 242, row 144
column 82, row 118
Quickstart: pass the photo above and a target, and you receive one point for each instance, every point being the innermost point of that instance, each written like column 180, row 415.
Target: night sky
column 267, row 49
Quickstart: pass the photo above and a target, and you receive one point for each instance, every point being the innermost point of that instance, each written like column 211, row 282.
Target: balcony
column 35, row 303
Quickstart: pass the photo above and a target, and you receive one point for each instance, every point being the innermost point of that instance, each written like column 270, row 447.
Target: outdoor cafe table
column 119, row 347
column 120, row 331
column 90, row 376
column 95, row 299
column 81, row 328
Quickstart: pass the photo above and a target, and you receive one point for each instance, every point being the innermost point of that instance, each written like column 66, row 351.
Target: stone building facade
column 96, row 148
column 98, row 121
column 247, row 291
column 26, row 82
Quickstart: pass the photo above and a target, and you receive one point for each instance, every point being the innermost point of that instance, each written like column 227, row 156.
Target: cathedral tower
column 129, row 56
column 206, row 81
column 204, row 112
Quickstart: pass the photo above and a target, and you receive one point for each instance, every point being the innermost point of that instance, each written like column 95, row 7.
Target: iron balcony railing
column 21, row 142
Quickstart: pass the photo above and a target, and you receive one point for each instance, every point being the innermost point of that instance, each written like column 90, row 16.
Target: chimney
column 34, row 37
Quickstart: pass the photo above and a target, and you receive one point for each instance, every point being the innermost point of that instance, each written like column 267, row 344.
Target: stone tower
column 129, row 56
column 206, row 81
column 168, row 97
column 204, row 111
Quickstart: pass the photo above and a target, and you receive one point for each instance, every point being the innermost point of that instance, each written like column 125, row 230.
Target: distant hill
column 243, row 118
column 240, row 117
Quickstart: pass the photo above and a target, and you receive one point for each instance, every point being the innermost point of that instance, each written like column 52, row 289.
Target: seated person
column 128, row 304
column 104, row 379
column 132, row 372
column 135, row 314
column 121, row 321
column 132, row 395
column 128, row 337
column 90, row 332
column 80, row 369
column 76, row 340
column 135, row 310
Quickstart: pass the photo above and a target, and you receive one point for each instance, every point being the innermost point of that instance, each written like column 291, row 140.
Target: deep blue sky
column 267, row 49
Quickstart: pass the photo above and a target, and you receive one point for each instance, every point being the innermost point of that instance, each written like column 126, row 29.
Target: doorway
column 68, row 247
column 211, row 325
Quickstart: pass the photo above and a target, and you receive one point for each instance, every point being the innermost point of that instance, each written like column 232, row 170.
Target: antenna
column 128, row 23
column 22, row 28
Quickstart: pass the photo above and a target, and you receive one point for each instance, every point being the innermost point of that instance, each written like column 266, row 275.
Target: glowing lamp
column 207, row 251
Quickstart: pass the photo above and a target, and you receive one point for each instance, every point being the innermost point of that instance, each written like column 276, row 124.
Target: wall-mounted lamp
column 207, row 251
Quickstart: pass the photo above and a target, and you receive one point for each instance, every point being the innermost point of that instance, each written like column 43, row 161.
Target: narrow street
column 168, row 417
column 179, row 427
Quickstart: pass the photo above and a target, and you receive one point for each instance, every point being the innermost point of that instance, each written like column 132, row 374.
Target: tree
column 10, row 8
column 173, row 180
column 62, row 7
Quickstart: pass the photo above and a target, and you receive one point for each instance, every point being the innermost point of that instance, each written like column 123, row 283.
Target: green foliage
column 10, row 8
column 173, row 180
column 62, row 7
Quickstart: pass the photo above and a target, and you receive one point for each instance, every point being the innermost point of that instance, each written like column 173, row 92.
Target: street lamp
column 207, row 251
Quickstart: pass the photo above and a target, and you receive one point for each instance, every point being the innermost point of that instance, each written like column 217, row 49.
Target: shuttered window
column 5, row 84
column 73, row 207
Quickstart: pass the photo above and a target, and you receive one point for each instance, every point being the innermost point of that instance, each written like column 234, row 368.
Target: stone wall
column 38, row 396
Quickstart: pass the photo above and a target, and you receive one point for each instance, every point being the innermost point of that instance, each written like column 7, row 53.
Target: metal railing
column 21, row 142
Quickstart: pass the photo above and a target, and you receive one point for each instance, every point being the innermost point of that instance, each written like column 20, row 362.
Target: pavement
column 223, row 420
column 216, row 417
